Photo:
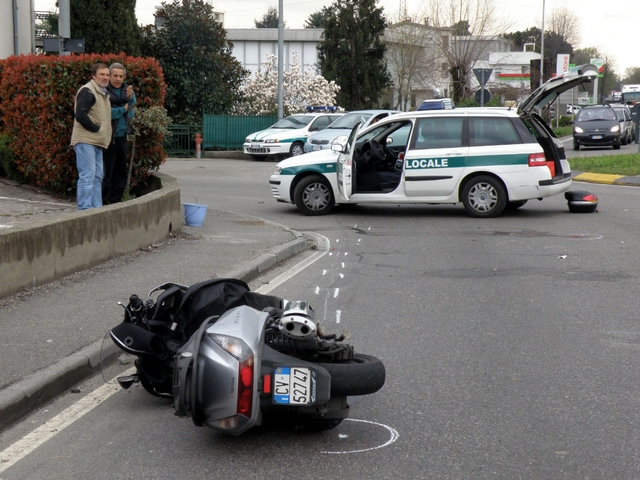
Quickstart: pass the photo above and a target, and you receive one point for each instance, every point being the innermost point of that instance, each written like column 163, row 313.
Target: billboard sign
column 562, row 63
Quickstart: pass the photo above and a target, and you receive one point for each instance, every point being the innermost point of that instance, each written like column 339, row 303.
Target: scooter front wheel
column 363, row 375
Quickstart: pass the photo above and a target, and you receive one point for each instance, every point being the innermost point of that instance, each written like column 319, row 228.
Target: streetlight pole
column 542, row 48
column 280, row 59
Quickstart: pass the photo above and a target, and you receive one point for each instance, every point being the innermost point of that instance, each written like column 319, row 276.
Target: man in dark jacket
column 115, row 158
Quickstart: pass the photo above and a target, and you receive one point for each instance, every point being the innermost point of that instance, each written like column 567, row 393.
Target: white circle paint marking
column 393, row 436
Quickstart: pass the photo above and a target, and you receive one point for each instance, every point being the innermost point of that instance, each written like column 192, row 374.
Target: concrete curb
column 632, row 181
column 597, row 178
column 71, row 241
column 21, row 398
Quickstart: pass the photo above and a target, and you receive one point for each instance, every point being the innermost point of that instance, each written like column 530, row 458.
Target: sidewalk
column 52, row 334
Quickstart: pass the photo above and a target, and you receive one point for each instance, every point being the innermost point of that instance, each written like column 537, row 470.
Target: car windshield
column 596, row 114
column 294, row 121
column 350, row 120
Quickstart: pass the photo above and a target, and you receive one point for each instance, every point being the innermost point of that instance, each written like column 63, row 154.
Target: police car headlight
column 248, row 139
column 578, row 130
column 272, row 140
column 277, row 170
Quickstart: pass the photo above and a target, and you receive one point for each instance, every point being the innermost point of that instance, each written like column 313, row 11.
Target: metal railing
column 228, row 132
column 182, row 142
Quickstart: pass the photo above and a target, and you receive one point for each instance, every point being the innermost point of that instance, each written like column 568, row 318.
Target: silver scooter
column 229, row 357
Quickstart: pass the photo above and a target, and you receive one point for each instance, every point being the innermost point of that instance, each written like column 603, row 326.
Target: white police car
column 489, row 159
column 287, row 136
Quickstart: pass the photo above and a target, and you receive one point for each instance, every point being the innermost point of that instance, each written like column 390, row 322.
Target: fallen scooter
column 229, row 357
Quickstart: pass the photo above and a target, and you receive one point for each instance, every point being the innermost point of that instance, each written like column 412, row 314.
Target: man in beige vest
column 91, row 135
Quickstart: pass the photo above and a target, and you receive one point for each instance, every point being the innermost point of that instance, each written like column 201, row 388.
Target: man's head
column 100, row 74
column 118, row 74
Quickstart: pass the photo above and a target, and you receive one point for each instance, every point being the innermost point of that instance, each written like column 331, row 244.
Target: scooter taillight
column 241, row 352
column 245, row 387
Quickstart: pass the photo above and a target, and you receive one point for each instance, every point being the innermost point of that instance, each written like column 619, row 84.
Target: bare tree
column 413, row 59
column 565, row 23
column 468, row 29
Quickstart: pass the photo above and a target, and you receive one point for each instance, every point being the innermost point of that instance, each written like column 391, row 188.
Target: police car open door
column 345, row 165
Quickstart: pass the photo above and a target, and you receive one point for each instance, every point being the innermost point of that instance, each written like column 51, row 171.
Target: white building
column 17, row 31
column 510, row 70
column 251, row 46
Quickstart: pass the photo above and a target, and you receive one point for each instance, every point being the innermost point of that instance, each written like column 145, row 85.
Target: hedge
column 36, row 110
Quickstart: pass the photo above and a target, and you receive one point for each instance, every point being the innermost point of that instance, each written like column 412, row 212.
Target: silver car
column 626, row 125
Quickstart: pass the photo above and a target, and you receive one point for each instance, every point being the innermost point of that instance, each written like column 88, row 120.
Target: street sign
column 51, row 44
column 482, row 74
column 483, row 96
column 75, row 45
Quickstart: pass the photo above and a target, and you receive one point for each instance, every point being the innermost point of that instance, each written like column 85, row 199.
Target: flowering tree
column 301, row 88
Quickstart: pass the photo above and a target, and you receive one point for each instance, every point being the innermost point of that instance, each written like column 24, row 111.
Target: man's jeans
column 89, row 163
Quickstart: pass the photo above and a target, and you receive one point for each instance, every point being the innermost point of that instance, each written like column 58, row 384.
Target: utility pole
column 280, row 60
column 64, row 24
column 542, row 48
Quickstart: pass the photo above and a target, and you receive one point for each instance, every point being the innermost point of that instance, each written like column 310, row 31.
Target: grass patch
column 563, row 131
column 628, row 164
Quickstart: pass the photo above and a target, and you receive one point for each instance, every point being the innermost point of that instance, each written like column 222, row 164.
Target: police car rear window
column 492, row 131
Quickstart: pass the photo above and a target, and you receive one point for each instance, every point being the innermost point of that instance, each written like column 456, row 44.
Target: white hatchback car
column 489, row 159
column 287, row 136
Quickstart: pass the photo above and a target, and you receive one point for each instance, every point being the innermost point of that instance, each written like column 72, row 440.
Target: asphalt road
column 511, row 347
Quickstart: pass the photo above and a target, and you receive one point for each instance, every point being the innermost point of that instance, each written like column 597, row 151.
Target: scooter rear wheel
column 365, row 374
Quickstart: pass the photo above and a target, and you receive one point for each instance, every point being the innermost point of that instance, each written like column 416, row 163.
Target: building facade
column 252, row 45
column 17, row 31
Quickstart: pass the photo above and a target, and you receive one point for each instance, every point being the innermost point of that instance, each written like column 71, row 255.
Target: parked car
column 626, row 125
column 596, row 125
column 342, row 126
column 436, row 104
column 573, row 109
column 287, row 136
column 490, row 159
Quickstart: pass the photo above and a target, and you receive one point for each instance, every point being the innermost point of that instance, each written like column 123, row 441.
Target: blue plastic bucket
column 194, row 214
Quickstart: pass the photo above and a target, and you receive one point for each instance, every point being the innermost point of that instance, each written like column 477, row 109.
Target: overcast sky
column 610, row 27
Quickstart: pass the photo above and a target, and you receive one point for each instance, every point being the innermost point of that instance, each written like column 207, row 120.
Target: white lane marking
column 336, row 292
column 341, row 275
column 323, row 249
column 324, row 272
column 393, row 436
column 33, row 440
column 342, row 264
column 338, row 315
column 317, row 290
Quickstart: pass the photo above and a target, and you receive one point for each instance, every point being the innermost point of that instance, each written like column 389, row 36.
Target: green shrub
column 7, row 160
column 36, row 106
column 471, row 102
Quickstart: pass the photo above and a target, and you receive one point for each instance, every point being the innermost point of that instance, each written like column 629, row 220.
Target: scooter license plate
column 294, row 386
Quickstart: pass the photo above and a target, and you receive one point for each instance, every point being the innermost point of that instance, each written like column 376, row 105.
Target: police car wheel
column 296, row 149
column 484, row 197
column 313, row 196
